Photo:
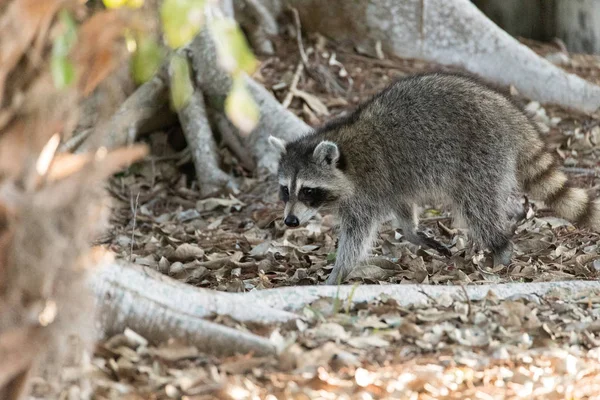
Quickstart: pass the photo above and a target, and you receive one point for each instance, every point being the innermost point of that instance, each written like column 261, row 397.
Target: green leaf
column 233, row 52
column 123, row 3
column 64, row 42
column 181, row 83
column 146, row 60
column 240, row 107
column 63, row 71
column 61, row 68
column 181, row 20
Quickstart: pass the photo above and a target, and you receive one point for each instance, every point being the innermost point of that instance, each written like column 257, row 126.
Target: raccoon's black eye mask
column 284, row 193
column 314, row 197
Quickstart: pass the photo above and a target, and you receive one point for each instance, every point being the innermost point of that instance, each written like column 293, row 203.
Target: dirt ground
column 528, row 347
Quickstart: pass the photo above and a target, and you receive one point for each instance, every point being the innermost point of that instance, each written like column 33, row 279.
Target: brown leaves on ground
column 446, row 348
column 246, row 246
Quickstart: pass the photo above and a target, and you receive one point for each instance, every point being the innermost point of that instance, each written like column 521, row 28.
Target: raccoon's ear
column 277, row 143
column 326, row 153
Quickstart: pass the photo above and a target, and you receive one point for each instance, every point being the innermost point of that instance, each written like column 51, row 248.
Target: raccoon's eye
column 284, row 193
column 308, row 192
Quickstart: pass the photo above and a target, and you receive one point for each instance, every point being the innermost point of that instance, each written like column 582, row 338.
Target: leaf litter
column 446, row 348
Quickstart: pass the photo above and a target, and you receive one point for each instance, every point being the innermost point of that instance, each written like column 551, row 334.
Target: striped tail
column 541, row 177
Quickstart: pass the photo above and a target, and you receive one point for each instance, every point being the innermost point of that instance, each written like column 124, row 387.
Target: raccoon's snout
column 291, row 220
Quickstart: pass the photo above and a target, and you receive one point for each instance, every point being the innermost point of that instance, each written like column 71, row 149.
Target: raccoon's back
column 434, row 125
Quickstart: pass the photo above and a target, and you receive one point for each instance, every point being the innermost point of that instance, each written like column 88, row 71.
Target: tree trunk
column 449, row 32
column 532, row 19
column 578, row 24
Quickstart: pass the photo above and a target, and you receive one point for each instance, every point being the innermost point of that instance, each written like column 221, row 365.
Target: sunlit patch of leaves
column 181, row 20
column 235, row 57
column 146, row 59
column 123, row 3
column 181, row 83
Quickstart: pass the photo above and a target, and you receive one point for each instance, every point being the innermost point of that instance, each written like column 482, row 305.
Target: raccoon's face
column 310, row 179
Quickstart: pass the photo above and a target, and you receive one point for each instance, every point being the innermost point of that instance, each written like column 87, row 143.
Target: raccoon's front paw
column 334, row 278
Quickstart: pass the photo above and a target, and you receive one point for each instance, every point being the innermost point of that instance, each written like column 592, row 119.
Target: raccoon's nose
column 291, row 220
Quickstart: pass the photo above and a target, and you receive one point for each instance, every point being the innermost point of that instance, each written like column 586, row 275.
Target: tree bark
column 578, row 24
column 202, row 145
column 274, row 118
column 449, row 32
column 159, row 307
column 147, row 109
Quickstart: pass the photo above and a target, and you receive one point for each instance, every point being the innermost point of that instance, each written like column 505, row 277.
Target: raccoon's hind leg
column 408, row 221
column 488, row 222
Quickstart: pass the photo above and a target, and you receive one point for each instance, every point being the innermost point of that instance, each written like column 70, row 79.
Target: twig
column 137, row 198
column 75, row 141
column 303, row 55
column 468, row 300
column 290, row 95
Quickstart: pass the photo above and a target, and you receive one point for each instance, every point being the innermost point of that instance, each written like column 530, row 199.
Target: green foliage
column 240, row 107
column 181, row 83
column 123, row 3
column 181, row 20
column 233, row 51
column 146, row 59
column 62, row 69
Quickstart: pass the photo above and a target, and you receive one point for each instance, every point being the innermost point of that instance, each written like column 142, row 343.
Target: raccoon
column 431, row 137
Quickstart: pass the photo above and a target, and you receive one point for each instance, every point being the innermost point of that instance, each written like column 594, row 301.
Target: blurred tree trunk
column 532, row 19
column 449, row 32
column 578, row 24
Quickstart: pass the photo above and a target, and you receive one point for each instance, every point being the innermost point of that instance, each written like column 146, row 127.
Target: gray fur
column 432, row 137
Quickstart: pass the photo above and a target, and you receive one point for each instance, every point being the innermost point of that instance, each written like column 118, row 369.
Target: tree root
column 274, row 118
column 295, row 298
column 448, row 32
column 159, row 307
column 146, row 110
column 202, row 145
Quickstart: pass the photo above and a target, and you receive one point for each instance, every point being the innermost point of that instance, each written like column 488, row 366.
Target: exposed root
column 159, row 307
column 146, row 110
column 232, row 139
column 202, row 146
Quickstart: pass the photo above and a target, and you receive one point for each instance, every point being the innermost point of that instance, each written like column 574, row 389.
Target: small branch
column 147, row 109
column 303, row 55
column 75, row 141
column 135, row 207
column 294, row 85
